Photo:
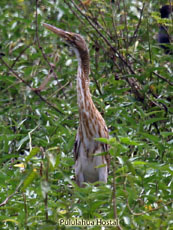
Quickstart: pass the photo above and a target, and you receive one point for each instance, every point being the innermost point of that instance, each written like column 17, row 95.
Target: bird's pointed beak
column 62, row 33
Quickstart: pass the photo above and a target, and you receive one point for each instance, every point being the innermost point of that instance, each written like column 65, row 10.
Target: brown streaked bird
column 91, row 122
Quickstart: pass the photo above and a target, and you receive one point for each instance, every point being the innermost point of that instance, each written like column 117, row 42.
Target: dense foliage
column 131, row 84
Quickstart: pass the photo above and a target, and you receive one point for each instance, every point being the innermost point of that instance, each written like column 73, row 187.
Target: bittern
column 163, row 35
column 90, row 166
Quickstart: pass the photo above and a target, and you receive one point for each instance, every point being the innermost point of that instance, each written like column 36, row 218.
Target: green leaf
column 130, row 167
column 22, row 141
column 151, row 137
column 11, row 220
column 136, row 163
column 100, row 166
column 128, row 141
column 29, row 179
column 103, row 140
column 153, row 120
column 166, row 134
column 100, row 154
column 33, row 152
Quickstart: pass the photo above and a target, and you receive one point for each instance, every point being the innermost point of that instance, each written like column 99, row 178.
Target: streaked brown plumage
column 91, row 123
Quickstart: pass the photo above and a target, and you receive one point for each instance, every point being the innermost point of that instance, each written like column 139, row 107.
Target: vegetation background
column 131, row 84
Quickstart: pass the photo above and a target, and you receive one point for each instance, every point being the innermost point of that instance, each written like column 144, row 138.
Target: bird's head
column 76, row 41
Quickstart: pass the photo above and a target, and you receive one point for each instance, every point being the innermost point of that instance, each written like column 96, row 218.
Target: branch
column 58, row 90
column 44, row 83
column 137, row 28
column 20, row 55
column 27, row 84
column 15, row 74
column 145, row 212
column 161, row 77
column 10, row 196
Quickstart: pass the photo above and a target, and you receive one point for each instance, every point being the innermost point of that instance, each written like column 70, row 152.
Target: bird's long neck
column 83, row 92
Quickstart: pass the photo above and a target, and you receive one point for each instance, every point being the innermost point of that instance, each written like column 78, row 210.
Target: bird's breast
column 88, row 165
column 92, row 125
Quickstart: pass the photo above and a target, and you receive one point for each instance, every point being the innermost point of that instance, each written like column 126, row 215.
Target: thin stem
column 126, row 27
column 114, row 201
column 139, row 23
column 114, row 192
column 46, row 196
column 149, row 45
column 26, row 211
column 20, row 54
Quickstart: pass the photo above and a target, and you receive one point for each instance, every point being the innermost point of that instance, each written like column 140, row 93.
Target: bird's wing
column 106, row 148
column 76, row 147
